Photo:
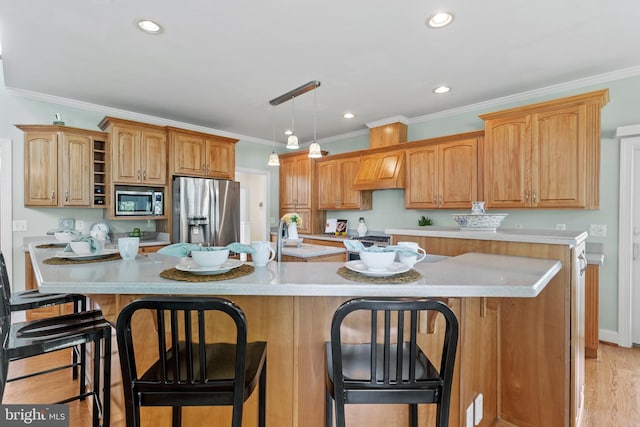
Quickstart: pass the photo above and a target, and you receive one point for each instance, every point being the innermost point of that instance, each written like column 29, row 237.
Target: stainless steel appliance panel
column 206, row 211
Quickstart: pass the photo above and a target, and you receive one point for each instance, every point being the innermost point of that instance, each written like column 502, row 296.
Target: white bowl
column 210, row 259
column 81, row 248
column 483, row 222
column 377, row 261
column 64, row 236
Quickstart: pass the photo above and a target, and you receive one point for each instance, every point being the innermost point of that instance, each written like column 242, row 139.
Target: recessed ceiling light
column 442, row 89
column 440, row 19
column 288, row 132
column 149, row 26
column 349, row 115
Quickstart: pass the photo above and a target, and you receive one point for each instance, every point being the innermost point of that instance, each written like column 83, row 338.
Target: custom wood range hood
column 383, row 167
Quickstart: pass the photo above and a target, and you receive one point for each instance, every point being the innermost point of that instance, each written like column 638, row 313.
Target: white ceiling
column 218, row 63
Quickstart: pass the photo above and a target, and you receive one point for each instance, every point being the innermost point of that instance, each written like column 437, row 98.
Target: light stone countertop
column 468, row 275
column 309, row 250
column 552, row 237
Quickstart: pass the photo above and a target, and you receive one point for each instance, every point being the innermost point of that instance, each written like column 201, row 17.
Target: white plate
column 394, row 268
column 72, row 255
column 192, row 267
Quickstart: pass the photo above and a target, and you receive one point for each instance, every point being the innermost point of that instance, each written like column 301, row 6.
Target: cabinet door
column 327, row 184
column 126, row 155
column 41, row 169
column 189, row 154
column 458, row 173
column 220, row 159
column 422, row 178
column 295, row 182
column 75, row 170
column 349, row 198
column 303, row 178
column 153, row 157
column 507, row 159
column 559, row 158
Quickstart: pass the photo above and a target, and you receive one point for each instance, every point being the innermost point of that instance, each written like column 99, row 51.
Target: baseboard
column 608, row 335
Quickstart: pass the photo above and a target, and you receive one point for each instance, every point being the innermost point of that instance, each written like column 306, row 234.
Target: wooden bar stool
column 390, row 368
column 191, row 369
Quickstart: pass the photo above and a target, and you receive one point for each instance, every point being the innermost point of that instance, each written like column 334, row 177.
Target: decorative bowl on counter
column 479, row 222
column 212, row 258
column 377, row 261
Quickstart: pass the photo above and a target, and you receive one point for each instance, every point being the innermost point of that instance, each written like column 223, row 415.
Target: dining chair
column 390, row 368
column 22, row 340
column 191, row 367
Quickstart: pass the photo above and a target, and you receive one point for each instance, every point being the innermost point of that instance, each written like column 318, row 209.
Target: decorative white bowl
column 377, row 261
column 479, row 222
column 81, row 248
column 210, row 258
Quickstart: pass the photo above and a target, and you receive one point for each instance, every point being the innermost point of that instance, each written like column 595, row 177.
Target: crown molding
column 388, row 121
column 523, row 96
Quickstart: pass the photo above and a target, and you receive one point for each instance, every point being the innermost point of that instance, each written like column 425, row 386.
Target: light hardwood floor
column 612, row 392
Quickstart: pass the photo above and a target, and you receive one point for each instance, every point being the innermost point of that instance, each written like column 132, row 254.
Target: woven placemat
column 185, row 276
column 51, row 245
column 66, row 261
column 406, row 277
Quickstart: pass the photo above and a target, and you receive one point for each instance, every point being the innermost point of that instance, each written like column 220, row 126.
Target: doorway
column 254, row 204
column 629, row 237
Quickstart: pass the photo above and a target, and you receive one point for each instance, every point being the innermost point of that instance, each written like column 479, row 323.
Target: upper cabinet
column 59, row 166
column 201, row 155
column 545, row 155
column 385, row 135
column 297, row 181
column 380, row 170
column 442, row 173
column 334, row 184
column 139, row 152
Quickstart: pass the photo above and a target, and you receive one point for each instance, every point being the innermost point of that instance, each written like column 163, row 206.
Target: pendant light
column 292, row 141
column 314, row 148
column 274, row 159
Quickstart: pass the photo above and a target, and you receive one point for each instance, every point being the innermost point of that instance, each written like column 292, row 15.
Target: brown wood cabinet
column 201, row 155
column 545, row 155
column 30, row 282
column 442, row 173
column 380, row 170
column 297, row 181
column 334, row 190
column 139, row 152
column 59, row 165
column 385, row 135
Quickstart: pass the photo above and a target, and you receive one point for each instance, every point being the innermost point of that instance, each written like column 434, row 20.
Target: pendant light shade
column 292, row 141
column 274, row 159
column 314, row 149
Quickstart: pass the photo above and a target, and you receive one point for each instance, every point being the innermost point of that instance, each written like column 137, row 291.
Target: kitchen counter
column 468, row 275
column 160, row 240
column 290, row 306
column 551, row 237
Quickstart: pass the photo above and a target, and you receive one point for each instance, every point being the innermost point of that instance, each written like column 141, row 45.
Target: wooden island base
column 296, row 329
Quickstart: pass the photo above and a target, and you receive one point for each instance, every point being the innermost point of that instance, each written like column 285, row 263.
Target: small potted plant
column 425, row 220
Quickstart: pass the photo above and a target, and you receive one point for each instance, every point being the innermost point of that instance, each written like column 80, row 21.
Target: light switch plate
column 477, row 412
column 469, row 417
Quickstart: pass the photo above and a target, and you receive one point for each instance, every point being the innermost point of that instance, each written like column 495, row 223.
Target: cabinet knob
column 535, row 197
column 144, row 175
column 66, row 196
column 53, row 194
column 138, row 174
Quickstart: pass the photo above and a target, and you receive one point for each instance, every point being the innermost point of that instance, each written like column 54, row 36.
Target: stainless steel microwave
column 139, row 202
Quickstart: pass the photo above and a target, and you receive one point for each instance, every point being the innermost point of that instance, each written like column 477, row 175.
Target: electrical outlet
column 477, row 411
column 519, row 226
column 79, row 225
column 561, row 226
column 469, row 417
column 598, row 230
column 20, row 225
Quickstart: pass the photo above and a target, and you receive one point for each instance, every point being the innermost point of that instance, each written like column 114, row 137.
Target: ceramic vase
column 292, row 230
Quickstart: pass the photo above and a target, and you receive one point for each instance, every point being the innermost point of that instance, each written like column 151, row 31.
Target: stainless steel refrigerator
column 206, row 211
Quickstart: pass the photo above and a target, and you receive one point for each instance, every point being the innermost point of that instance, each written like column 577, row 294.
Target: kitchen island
column 290, row 305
